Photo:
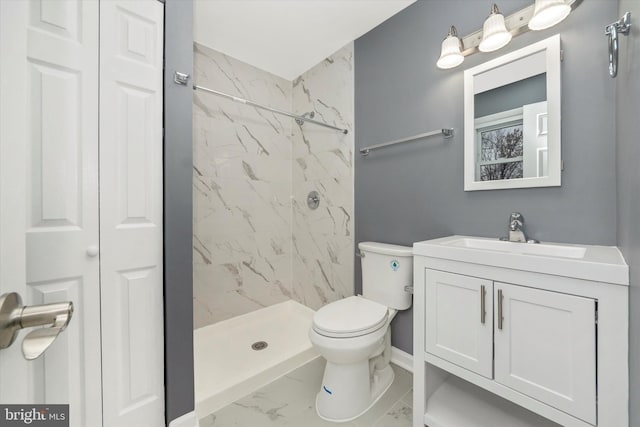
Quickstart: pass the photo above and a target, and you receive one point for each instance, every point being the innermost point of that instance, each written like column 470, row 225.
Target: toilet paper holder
column 14, row 316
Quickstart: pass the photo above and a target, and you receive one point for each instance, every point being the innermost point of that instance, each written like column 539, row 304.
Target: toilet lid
column 352, row 316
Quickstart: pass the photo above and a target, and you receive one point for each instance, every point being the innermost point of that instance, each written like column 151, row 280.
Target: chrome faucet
column 516, row 228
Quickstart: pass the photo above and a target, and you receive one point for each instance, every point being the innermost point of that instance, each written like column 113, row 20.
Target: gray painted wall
column 414, row 191
column 628, row 151
column 178, row 265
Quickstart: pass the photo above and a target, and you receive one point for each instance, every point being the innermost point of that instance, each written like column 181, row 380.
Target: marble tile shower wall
column 253, row 233
column 323, row 239
column 242, row 187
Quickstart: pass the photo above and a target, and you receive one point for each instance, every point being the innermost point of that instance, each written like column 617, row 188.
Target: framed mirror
column 512, row 126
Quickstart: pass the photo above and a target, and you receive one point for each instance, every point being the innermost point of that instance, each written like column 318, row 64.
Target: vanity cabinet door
column 459, row 320
column 545, row 347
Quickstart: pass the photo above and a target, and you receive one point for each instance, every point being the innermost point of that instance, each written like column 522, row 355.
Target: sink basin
column 543, row 249
column 589, row 262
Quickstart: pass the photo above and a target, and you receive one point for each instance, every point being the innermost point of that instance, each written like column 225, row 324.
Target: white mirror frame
column 483, row 77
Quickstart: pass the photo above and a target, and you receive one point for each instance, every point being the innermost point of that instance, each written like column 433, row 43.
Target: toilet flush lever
column 14, row 316
column 409, row 289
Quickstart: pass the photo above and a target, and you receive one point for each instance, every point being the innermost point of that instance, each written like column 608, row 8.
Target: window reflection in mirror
column 511, row 136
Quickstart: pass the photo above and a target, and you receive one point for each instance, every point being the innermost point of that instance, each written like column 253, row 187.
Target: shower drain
column 259, row 345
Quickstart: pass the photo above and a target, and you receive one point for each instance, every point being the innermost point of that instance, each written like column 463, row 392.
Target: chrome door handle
column 14, row 316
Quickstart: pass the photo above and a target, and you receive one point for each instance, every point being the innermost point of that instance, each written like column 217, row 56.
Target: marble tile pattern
column 323, row 239
column 255, row 241
column 290, row 401
column 241, row 190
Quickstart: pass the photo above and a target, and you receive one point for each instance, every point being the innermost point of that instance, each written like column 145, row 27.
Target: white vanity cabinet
column 545, row 347
column 507, row 338
column 459, row 324
column 541, row 343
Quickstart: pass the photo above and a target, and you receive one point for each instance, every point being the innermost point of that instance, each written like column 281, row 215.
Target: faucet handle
column 516, row 216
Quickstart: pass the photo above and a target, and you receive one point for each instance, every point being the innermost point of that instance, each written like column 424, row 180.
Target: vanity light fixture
column 494, row 32
column 548, row 13
column 451, row 52
column 498, row 30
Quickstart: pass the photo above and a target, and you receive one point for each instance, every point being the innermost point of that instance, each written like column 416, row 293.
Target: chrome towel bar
column 446, row 132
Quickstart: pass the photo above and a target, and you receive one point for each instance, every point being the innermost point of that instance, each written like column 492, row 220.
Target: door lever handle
column 14, row 316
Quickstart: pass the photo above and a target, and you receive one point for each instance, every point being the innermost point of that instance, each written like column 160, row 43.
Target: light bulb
column 450, row 54
column 547, row 13
column 494, row 32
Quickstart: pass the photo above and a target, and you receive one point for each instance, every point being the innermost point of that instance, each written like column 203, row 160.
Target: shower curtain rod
column 264, row 107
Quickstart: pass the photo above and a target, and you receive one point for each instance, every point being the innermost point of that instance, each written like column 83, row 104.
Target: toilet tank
column 386, row 270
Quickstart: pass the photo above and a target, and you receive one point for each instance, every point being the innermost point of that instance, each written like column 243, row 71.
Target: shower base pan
column 228, row 368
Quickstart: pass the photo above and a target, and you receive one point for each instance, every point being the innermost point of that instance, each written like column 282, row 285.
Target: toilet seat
column 350, row 317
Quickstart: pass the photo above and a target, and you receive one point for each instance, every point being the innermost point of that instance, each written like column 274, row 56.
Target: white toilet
column 353, row 334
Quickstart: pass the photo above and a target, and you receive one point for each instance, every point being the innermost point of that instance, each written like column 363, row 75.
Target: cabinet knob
column 92, row 251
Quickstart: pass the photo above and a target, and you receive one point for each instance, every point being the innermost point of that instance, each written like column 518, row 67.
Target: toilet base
column 348, row 391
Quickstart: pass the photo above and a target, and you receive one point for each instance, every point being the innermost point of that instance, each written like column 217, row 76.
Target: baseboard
column 402, row 359
column 186, row 420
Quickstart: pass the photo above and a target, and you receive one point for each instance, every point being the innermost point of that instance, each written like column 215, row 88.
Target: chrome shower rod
column 264, row 107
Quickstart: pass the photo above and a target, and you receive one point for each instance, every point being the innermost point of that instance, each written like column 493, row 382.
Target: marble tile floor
column 290, row 401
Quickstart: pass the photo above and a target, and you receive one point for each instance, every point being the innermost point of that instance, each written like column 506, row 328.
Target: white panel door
column 546, row 348
column 459, row 320
column 131, row 56
column 49, row 195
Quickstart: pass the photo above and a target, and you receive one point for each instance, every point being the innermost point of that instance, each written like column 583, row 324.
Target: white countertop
column 589, row 262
